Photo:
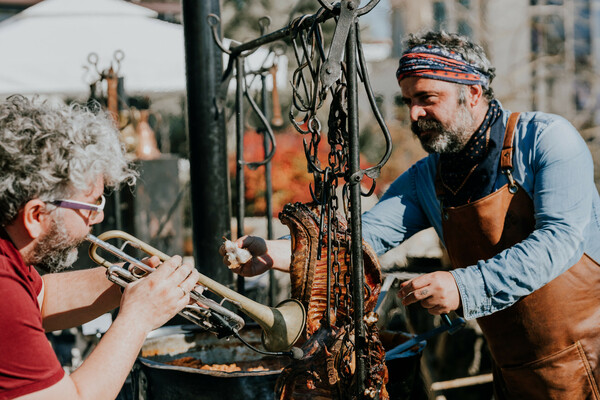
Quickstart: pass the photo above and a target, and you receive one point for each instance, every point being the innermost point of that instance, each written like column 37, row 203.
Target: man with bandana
column 55, row 163
column 513, row 199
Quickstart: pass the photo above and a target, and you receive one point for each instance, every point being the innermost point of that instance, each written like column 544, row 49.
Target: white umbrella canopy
column 86, row 7
column 45, row 48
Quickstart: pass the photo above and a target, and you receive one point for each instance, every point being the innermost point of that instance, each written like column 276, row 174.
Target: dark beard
column 428, row 125
column 423, row 125
column 55, row 251
column 451, row 139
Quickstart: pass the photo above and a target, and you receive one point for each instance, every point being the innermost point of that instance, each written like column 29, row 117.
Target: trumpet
column 281, row 325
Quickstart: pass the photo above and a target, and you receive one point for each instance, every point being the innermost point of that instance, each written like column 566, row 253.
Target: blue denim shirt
column 552, row 163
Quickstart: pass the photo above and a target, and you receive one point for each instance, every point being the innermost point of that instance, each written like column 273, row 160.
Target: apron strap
column 507, row 152
column 507, row 147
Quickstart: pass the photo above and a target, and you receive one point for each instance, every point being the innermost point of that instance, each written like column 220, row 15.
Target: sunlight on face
column 56, row 250
column 441, row 113
column 450, row 138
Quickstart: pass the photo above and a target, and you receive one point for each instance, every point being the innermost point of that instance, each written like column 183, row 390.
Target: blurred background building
column 546, row 52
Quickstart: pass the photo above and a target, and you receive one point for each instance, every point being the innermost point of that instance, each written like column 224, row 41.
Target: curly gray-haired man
column 55, row 162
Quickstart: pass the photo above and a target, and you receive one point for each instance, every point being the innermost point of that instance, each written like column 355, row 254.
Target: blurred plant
column 290, row 177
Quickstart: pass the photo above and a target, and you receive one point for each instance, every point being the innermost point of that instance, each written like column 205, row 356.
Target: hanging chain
column 317, row 76
column 311, row 84
column 308, row 95
column 338, row 163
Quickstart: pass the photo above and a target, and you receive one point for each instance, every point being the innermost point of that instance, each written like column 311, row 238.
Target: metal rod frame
column 237, row 54
column 358, row 276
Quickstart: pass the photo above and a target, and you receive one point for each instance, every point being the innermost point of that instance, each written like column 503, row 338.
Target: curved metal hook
column 93, row 58
column 296, row 96
column 263, row 23
column 309, row 158
column 118, row 56
column 361, row 11
column 214, row 20
column 371, row 190
column 309, row 54
column 326, row 5
column 267, row 125
column 295, row 123
column 313, row 124
column 367, row 8
column 357, row 177
column 373, row 172
column 296, row 24
column 313, row 195
column 297, row 79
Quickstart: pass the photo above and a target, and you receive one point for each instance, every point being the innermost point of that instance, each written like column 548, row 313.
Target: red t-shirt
column 27, row 361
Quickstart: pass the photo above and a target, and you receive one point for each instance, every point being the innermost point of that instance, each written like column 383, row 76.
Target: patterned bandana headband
column 426, row 61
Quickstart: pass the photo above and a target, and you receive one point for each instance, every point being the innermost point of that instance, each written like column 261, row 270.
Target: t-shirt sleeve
column 27, row 361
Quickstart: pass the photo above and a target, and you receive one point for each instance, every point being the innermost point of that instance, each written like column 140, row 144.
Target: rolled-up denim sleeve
column 557, row 167
column 396, row 217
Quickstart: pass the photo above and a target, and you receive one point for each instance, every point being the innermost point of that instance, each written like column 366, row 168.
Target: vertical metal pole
column 211, row 207
column 268, row 185
column 326, row 195
column 122, row 104
column 239, row 137
column 355, row 208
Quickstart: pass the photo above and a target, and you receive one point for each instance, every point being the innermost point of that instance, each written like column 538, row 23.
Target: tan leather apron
column 547, row 344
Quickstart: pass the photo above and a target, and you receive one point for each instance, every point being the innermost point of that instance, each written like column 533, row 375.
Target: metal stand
column 211, row 211
column 317, row 77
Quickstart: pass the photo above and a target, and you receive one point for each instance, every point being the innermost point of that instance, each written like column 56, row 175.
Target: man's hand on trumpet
column 162, row 293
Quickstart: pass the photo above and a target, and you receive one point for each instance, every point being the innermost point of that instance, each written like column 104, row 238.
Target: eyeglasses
column 79, row 205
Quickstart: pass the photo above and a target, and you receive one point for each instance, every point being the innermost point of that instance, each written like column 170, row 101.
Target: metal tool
column 420, row 340
column 332, row 68
column 349, row 11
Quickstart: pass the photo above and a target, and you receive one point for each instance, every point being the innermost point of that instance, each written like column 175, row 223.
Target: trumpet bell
column 289, row 321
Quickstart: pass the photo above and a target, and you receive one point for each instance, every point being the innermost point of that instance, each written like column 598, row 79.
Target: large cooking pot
column 154, row 379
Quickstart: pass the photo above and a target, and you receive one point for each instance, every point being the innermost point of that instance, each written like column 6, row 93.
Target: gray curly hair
column 51, row 152
column 471, row 52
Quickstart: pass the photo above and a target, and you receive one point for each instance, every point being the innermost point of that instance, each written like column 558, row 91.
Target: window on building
column 464, row 28
column 440, row 15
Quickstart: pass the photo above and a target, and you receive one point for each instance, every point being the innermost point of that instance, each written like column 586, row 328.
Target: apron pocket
column 565, row 375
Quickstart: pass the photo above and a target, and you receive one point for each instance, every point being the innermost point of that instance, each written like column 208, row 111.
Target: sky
column 378, row 20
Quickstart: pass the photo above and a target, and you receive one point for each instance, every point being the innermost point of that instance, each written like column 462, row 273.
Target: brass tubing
column 282, row 325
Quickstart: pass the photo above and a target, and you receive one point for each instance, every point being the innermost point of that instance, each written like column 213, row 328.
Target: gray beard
column 55, row 251
column 446, row 140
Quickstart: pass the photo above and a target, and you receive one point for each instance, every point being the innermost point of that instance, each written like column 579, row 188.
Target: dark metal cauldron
column 405, row 382
column 154, row 379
